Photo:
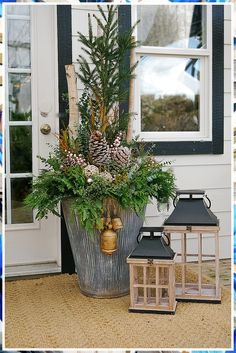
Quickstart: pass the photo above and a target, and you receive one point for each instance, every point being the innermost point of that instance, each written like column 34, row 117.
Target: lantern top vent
column 192, row 210
column 152, row 246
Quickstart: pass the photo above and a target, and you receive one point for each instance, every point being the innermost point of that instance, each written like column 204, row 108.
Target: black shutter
column 64, row 31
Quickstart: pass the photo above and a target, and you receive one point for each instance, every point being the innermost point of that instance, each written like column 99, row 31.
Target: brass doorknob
column 45, row 129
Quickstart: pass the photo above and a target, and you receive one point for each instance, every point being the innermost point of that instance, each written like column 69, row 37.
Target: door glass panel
column 172, row 26
column 22, row 10
column 19, row 44
column 21, row 149
column 19, row 120
column 20, row 97
column 20, row 187
column 170, row 89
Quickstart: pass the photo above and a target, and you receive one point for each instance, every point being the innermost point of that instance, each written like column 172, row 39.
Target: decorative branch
column 73, row 106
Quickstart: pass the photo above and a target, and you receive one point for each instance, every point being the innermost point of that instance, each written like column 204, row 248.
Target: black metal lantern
column 195, row 225
column 152, row 274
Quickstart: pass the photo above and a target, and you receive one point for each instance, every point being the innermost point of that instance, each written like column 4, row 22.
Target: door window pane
column 21, row 149
column 20, row 97
column 19, row 43
column 172, row 26
column 15, row 9
column 20, row 188
column 170, row 89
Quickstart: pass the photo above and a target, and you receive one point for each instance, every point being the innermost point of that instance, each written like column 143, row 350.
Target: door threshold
column 31, row 270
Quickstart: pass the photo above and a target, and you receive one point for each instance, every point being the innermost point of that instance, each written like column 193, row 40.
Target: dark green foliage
column 132, row 188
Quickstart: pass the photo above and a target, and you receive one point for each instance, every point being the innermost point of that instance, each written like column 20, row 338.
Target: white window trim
column 205, row 55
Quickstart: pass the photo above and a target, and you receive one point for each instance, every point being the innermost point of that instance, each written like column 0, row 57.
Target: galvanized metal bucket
column 100, row 275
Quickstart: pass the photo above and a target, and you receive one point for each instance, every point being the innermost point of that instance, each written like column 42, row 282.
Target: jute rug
column 52, row 313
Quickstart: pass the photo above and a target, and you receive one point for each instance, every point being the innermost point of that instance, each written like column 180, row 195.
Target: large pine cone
column 98, row 149
column 121, row 156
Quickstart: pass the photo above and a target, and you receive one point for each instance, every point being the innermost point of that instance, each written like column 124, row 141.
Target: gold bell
column 108, row 241
column 116, row 223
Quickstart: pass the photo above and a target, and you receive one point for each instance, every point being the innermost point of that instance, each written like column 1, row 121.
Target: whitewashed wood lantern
column 152, row 274
column 192, row 225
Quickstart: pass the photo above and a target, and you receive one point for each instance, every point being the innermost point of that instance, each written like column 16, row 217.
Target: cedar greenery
column 128, row 175
column 133, row 187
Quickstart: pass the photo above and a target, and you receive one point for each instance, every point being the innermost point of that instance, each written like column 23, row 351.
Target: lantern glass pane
column 178, row 273
column 151, row 296
column 163, row 276
column 163, row 296
column 191, row 272
column 208, row 247
column 208, row 279
column 140, row 295
column 151, row 275
column 138, row 274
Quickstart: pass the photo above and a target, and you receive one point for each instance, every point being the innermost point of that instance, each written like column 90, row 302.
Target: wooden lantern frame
column 207, row 292
column 149, row 303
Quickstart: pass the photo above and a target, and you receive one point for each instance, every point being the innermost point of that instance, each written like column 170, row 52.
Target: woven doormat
column 52, row 313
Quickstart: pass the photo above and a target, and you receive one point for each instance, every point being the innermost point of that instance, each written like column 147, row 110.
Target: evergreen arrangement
column 99, row 164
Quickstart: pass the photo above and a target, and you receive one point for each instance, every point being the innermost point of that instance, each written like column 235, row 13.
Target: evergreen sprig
column 106, row 72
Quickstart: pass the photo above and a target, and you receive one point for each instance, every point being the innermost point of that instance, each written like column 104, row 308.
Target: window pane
column 19, row 43
column 20, row 97
column 172, row 26
column 20, row 188
column 15, row 9
column 169, row 93
column 21, row 149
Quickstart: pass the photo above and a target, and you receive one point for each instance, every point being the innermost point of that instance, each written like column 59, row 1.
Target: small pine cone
column 98, row 149
column 106, row 176
column 121, row 156
column 91, row 170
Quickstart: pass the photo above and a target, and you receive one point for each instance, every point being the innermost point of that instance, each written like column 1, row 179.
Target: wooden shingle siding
column 209, row 172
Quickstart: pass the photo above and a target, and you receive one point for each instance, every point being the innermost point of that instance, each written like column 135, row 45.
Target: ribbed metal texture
column 101, row 275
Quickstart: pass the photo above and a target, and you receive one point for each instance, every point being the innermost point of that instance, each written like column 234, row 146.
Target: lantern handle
column 150, row 230
column 166, row 239
column 174, row 201
column 138, row 236
column 209, row 206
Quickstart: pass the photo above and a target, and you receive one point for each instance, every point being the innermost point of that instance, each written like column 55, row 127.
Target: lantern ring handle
column 138, row 237
column 174, row 201
column 166, row 239
column 209, row 206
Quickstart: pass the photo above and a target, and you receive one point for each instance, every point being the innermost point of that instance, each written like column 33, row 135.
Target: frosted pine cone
column 91, row 170
column 98, row 149
column 121, row 156
column 107, row 176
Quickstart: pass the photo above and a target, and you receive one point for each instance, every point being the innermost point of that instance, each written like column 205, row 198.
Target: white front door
column 31, row 101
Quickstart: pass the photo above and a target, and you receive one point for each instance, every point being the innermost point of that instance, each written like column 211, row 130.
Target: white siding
column 209, row 172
